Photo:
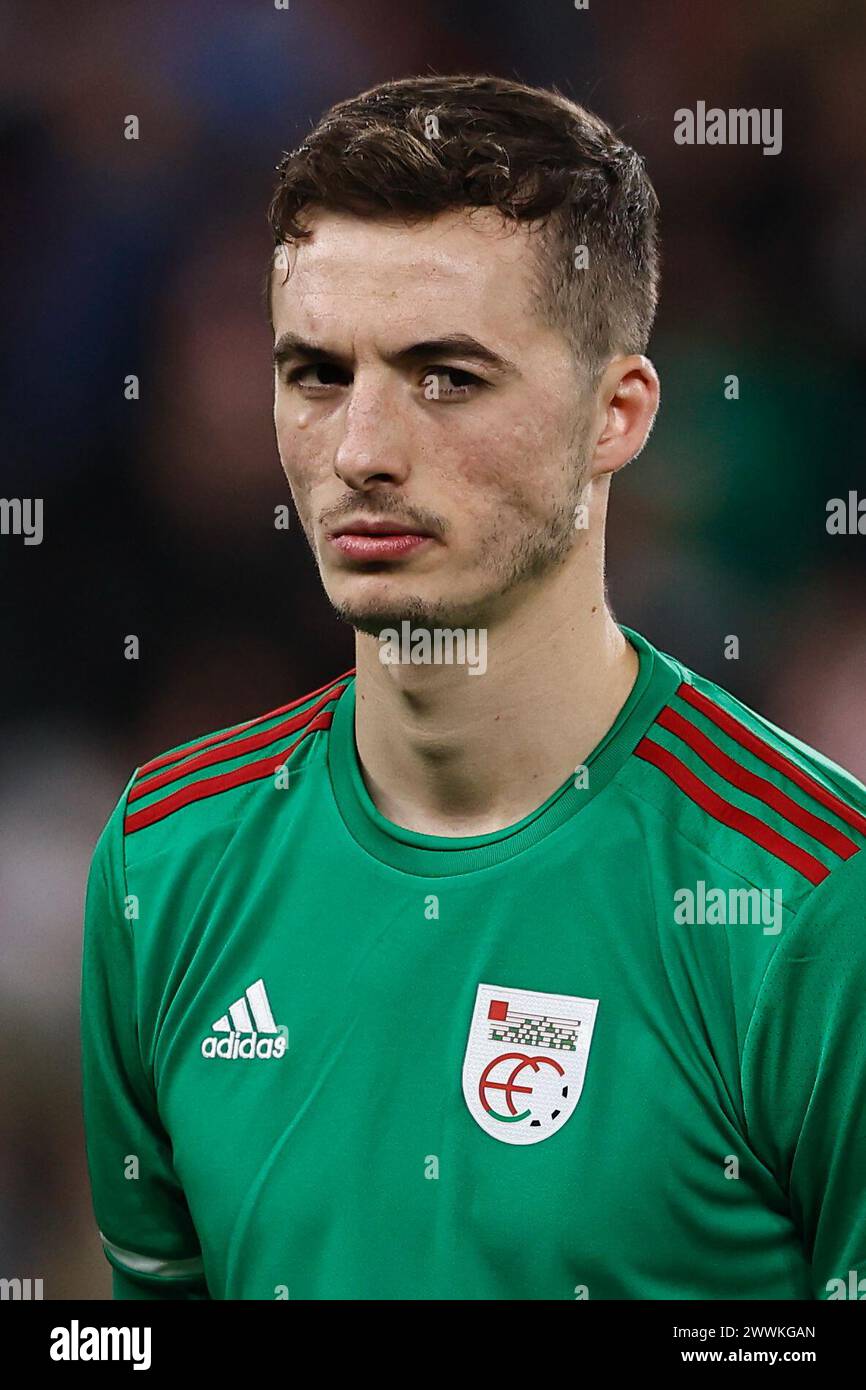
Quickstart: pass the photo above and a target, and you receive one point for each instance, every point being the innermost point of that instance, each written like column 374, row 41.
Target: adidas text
column 244, row 1046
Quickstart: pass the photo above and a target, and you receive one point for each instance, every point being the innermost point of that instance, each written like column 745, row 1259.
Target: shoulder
column 215, row 770
column 751, row 795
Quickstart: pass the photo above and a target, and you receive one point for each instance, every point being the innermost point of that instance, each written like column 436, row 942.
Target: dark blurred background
column 146, row 257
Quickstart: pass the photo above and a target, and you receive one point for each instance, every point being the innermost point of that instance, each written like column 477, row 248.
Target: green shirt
column 615, row 1050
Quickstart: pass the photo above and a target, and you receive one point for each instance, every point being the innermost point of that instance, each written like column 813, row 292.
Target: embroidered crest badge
column 525, row 1061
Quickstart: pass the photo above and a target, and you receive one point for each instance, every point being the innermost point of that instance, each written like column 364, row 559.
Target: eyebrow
column 291, row 345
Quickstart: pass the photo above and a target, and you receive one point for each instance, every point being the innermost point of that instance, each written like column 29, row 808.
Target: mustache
column 384, row 505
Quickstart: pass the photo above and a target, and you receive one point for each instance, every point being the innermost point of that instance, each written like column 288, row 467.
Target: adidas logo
column 247, row 1018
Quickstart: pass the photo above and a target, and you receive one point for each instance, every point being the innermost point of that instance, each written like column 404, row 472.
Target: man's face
column 482, row 461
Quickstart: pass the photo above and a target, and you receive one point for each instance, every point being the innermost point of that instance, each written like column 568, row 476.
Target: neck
column 445, row 752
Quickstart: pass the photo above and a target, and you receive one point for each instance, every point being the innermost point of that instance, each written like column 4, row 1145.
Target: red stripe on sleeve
column 212, row 786
column 772, row 757
column 729, row 815
column 756, row 786
column 236, row 748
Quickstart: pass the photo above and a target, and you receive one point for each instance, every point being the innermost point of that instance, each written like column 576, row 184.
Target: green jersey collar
column 434, row 856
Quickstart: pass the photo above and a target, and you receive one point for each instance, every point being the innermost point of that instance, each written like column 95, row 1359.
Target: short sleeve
column 144, row 1222
column 804, row 1077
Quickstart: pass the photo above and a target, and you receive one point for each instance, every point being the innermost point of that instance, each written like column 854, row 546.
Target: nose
column 374, row 447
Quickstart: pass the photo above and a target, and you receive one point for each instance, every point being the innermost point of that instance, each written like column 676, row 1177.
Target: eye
column 329, row 376
column 448, row 383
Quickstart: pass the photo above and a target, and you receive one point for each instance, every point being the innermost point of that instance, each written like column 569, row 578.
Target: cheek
column 285, row 437
column 518, row 466
column 302, row 461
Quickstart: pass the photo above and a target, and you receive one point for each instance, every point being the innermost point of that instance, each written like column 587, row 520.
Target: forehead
column 467, row 260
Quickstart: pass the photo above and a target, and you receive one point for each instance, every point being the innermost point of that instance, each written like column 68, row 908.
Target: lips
column 385, row 527
column 378, row 540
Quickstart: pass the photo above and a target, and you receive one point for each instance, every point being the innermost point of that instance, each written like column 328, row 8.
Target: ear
column 626, row 403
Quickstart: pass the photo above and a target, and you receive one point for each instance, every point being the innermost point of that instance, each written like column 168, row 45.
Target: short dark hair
column 424, row 145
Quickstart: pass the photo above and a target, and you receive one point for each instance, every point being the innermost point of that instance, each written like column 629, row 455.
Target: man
column 520, row 961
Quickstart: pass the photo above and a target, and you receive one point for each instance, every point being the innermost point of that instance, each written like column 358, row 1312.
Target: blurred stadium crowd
column 146, row 257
